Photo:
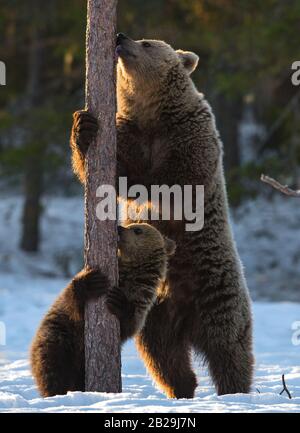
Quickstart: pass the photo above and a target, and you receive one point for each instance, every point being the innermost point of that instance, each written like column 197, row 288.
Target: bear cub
column 57, row 352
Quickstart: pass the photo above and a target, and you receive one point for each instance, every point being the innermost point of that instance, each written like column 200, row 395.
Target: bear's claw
column 84, row 130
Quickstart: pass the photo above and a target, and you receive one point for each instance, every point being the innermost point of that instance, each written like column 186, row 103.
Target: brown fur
column 167, row 135
column 57, row 352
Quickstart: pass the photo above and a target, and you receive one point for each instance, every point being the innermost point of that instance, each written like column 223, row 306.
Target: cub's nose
column 120, row 38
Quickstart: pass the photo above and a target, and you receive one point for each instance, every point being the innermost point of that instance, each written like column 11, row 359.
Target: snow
column 267, row 235
column 275, row 355
column 265, row 232
column 62, row 237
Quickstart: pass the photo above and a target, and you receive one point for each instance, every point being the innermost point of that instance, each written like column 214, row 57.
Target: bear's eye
column 146, row 44
column 138, row 231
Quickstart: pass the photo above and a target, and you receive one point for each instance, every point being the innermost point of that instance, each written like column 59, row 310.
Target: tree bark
column 102, row 330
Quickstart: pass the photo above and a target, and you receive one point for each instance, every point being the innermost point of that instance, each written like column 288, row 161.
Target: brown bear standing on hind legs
column 167, row 135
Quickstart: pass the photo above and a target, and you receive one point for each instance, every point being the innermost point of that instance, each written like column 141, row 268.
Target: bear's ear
column 189, row 60
column 170, row 246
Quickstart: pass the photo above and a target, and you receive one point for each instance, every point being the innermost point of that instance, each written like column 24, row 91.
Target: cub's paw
column 84, row 129
column 116, row 301
column 91, row 283
column 97, row 283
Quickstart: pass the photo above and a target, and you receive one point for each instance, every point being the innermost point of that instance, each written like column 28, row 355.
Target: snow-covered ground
column 275, row 355
column 268, row 238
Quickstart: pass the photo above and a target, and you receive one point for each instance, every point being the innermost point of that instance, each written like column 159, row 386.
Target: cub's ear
column 170, row 246
column 189, row 60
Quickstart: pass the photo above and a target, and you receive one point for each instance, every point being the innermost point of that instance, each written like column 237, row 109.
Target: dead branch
column 285, row 388
column 284, row 189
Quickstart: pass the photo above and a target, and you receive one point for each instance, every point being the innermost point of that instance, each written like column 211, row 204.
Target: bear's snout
column 120, row 38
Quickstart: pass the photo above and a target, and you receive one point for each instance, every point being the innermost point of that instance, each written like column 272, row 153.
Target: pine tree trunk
column 33, row 188
column 102, row 330
column 228, row 118
column 33, row 173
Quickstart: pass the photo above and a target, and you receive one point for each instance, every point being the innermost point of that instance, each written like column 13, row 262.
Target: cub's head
column 149, row 61
column 142, row 242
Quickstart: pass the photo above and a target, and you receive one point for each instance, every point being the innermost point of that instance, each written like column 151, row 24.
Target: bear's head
column 145, row 63
column 142, row 242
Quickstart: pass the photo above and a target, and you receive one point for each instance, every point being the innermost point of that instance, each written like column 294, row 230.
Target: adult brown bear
column 167, row 135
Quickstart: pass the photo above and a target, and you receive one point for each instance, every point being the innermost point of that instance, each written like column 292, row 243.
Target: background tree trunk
column 33, row 172
column 102, row 330
column 32, row 209
column 228, row 113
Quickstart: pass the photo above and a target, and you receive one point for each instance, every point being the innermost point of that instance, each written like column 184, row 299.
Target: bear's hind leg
column 231, row 370
column 231, row 364
column 57, row 358
column 166, row 358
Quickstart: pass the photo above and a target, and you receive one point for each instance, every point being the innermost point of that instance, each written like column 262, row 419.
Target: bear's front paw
column 116, row 301
column 84, row 129
column 91, row 283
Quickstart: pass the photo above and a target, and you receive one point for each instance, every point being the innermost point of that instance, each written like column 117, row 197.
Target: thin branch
column 285, row 388
column 285, row 189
